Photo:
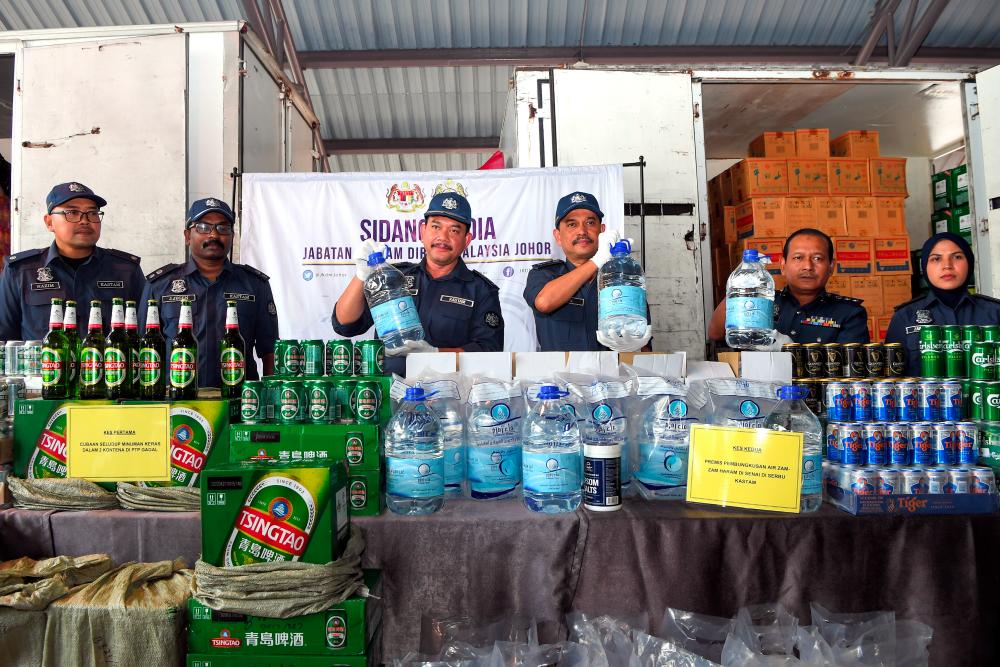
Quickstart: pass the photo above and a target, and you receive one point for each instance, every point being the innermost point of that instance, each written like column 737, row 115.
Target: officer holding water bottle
column 563, row 293
column 459, row 308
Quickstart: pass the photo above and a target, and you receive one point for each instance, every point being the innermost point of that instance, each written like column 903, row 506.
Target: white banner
column 301, row 228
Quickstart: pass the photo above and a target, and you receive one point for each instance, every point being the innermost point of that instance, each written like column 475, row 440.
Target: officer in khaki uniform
column 72, row 267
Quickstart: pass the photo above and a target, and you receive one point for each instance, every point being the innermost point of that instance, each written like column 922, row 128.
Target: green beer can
column 320, row 403
column 976, row 390
column 339, row 358
column 991, row 332
column 272, row 396
column 954, row 352
column 372, row 357
column 970, row 334
column 367, row 401
column 252, row 402
column 291, row 402
column 931, row 351
column 984, row 363
column 287, row 357
column 313, row 362
column 991, row 401
column 344, row 390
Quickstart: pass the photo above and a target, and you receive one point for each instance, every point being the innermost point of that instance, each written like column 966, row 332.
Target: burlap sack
column 60, row 494
column 159, row 498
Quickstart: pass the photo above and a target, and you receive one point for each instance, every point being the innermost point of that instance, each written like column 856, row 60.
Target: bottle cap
column 376, row 258
column 622, row 247
column 790, row 391
column 750, row 255
column 549, row 391
column 413, row 393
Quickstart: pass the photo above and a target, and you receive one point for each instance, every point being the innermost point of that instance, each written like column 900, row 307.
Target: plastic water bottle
column 552, row 463
column 750, row 305
column 392, row 307
column 414, row 457
column 452, row 423
column 493, row 430
column 792, row 414
column 621, row 297
column 661, row 472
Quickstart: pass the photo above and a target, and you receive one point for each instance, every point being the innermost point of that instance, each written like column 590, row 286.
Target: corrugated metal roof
column 409, row 162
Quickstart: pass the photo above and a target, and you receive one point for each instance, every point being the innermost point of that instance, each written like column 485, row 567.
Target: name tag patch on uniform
column 36, row 287
column 111, row 284
column 170, row 298
column 575, row 301
column 912, row 330
column 818, row 321
column 468, row 303
column 235, row 296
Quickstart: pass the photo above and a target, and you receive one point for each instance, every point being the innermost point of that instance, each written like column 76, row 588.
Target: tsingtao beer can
column 313, row 358
column 877, row 452
column 287, row 357
column 834, row 353
column 292, row 402
column 344, row 390
column 339, row 358
column 854, row 361
column 895, row 360
column 884, row 401
column 272, row 398
column 372, row 357
column 367, row 401
column 874, row 360
column 252, row 402
column 321, row 409
column 815, row 360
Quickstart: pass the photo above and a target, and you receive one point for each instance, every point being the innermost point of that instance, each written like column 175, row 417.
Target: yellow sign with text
column 754, row 468
column 118, row 443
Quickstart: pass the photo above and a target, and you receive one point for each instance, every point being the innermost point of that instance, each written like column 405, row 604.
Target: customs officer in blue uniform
column 209, row 279
column 804, row 311
column 73, row 267
column 563, row 293
column 459, row 308
column 947, row 262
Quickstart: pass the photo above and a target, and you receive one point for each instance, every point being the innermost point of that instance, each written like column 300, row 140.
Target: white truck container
column 151, row 118
column 599, row 115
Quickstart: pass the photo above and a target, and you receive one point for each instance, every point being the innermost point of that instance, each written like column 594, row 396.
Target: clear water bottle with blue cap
column 414, row 457
column 792, row 414
column 552, row 460
column 493, row 430
column 750, row 304
column 621, row 296
column 392, row 307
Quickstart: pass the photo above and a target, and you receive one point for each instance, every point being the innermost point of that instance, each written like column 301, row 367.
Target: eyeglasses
column 74, row 215
column 222, row 229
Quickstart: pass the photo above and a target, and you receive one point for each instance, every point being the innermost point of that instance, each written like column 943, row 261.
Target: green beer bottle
column 232, row 355
column 117, row 357
column 92, row 356
column 55, row 355
column 152, row 350
column 73, row 342
column 49, row 456
column 184, row 357
column 132, row 332
column 278, row 516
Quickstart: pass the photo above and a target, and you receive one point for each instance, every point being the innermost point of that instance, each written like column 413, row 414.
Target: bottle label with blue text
column 662, row 466
column 602, row 481
column 551, row 472
column 621, row 300
column 395, row 315
column 812, row 474
column 414, row 478
column 454, row 467
column 494, row 471
column 754, row 312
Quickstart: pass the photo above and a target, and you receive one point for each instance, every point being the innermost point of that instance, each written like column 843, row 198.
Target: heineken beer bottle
column 278, row 516
column 184, row 357
column 132, row 332
column 232, row 355
column 152, row 350
column 92, row 356
column 73, row 344
column 117, row 357
column 55, row 355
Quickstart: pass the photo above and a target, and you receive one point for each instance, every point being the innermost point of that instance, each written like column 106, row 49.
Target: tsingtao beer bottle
column 184, row 357
column 232, row 355
column 73, row 343
column 55, row 355
column 132, row 332
column 152, row 351
column 117, row 358
column 92, row 356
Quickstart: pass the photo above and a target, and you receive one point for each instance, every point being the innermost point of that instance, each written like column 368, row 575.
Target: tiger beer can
column 983, row 480
column 890, row 481
column 833, row 451
column 838, row 401
column 854, row 361
column 951, row 401
column 967, row 441
column 863, row 481
column 944, row 444
column 914, row 481
column 884, row 400
column 922, row 443
column 877, row 452
column 815, row 360
column 834, row 353
column 898, row 438
column 929, row 400
column 339, row 358
column 861, row 401
column 895, row 360
column 852, row 444
column 252, row 402
column 960, row 480
column 907, row 401
column 938, row 480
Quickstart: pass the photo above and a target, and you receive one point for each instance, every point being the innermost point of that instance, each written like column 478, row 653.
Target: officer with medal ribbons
column 946, row 260
column 209, row 279
column 459, row 308
column 563, row 293
column 73, row 267
column 804, row 311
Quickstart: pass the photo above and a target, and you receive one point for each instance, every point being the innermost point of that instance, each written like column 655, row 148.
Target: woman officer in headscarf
column 946, row 261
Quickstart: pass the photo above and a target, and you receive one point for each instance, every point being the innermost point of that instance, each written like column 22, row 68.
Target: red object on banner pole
column 495, row 161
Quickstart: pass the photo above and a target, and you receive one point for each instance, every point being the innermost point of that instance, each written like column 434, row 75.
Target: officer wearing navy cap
column 459, row 308
column 73, row 267
column 209, row 279
column 563, row 293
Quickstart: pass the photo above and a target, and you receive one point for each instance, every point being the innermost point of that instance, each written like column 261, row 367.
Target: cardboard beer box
column 365, row 493
column 800, row 212
column 896, row 289
column 861, row 216
column 890, row 213
column 839, row 285
column 761, row 216
column 808, row 177
column 40, row 436
column 892, row 255
column 853, row 255
column 371, row 657
column 830, row 216
column 358, row 444
column 888, row 175
column 812, row 144
column 729, row 225
column 726, row 182
column 773, row 144
column 759, row 177
column 773, row 248
column 344, row 629
column 855, row 143
column 849, row 176
column 882, row 327
column 869, row 290
column 269, row 512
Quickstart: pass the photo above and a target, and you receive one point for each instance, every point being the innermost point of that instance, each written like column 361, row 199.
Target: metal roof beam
column 912, row 42
column 880, row 24
column 412, row 145
column 626, row 55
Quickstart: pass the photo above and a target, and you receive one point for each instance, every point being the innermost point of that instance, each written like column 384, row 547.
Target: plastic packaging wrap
column 700, row 634
column 739, row 403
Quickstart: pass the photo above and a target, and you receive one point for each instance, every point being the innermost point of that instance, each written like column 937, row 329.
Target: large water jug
column 621, row 297
column 750, row 305
column 392, row 307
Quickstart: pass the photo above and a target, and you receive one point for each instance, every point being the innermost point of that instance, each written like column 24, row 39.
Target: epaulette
column 547, row 263
column 24, row 254
column 160, row 271
column 846, row 299
column 986, row 298
column 907, row 303
column 124, row 255
column 257, row 272
column 486, row 280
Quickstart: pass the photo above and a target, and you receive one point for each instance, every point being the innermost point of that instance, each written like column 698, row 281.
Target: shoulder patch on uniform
column 985, row 297
column 24, row 254
column 907, row 303
column 124, row 255
column 547, row 263
column 486, row 280
column 160, row 271
column 847, row 299
column 255, row 271
column 493, row 319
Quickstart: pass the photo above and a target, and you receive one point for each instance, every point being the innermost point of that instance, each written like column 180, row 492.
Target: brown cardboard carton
column 759, row 177
column 830, row 217
column 896, row 289
column 853, row 256
column 729, row 224
column 800, row 212
column 812, row 144
column 868, row 289
column 891, row 215
column 773, row 144
column 726, row 182
column 887, row 175
column 855, row 143
column 892, row 255
column 808, row 177
column 861, row 216
column 761, row 216
column 848, row 176
column 771, row 247
column 882, row 326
